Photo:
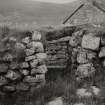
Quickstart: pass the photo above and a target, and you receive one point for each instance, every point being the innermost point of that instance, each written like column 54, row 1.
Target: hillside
column 25, row 13
column 38, row 13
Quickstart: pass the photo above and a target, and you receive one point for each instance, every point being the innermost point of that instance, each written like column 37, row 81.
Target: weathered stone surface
column 82, row 57
column 103, row 40
column 41, row 56
column 36, row 36
column 13, row 39
column 20, row 46
column 40, row 69
column 24, row 72
column 14, row 65
column 37, row 46
column 75, row 40
column 9, row 88
column 24, row 65
column 83, row 93
column 79, row 104
column 85, row 70
column 3, row 68
column 29, row 58
column 22, row 87
column 34, row 63
column 13, row 75
column 85, row 56
column 57, row 101
column 34, row 79
column 102, row 52
column 96, row 91
column 30, row 79
column 29, row 52
column 3, row 80
column 40, row 77
column 26, row 40
column 7, row 57
column 91, row 42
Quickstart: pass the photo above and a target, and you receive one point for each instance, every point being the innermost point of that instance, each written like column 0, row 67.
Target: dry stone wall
column 87, row 54
column 22, row 63
column 85, row 51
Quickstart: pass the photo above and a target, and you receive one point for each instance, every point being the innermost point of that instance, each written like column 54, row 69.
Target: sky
column 56, row 1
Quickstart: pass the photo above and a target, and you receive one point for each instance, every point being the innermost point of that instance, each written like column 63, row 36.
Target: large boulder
column 91, row 42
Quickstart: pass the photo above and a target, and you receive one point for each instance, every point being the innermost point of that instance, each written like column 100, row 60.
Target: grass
column 60, row 86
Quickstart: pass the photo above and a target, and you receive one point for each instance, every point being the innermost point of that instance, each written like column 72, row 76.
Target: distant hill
column 34, row 13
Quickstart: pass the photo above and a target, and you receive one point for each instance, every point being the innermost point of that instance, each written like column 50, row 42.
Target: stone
column 79, row 104
column 42, row 69
column 14, row 65
column 103, row 40
column 36, row 36
column 102, row 52
column 34, row 63
column 85, row 56
column 34, row 79
column 12, row 75
column 24, row 65
column 20, row 46
column 57, row 101
column 90, row 42
column 9, row 88
column 29, row 52
column 83, row 93
column 41, row 56
column 75, row 40
column 24, row 72
column 26, row 40
column 96, row 91
column 85, row 70
column 40, row 77
column 103, row 63
column 7, row 57
column 30, row 79
column 29, row 58
column 3, row 81
column 36, row 46
column 3, row 68
column 13, row 39
column 82, row 57
column 22, row 87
